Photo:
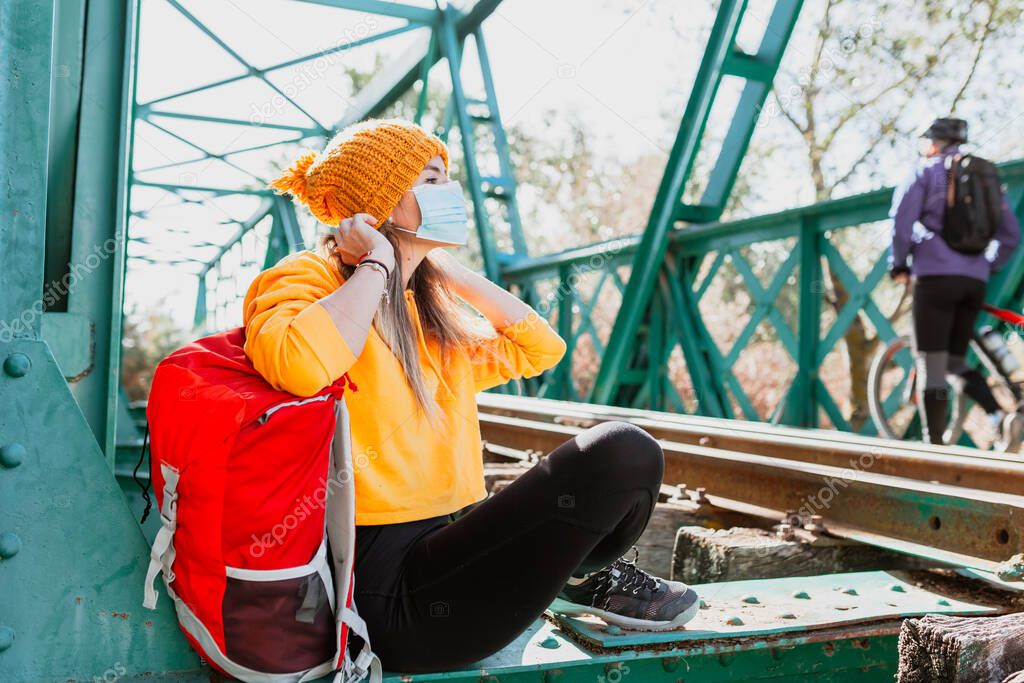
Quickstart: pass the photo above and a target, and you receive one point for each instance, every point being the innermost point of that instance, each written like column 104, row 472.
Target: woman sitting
column 420, row 335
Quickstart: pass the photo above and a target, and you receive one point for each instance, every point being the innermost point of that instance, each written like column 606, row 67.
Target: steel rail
column 951, row 524
column 958, row 466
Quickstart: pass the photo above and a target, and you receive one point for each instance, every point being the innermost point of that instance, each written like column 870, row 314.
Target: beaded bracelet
column 378, row 267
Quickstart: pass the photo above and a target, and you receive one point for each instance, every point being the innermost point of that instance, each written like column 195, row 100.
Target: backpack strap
column 366, row 662
column 161, row 555
column 953, row 166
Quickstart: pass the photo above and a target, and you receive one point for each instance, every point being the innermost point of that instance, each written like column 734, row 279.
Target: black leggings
column 438, row 594
column 945, row 310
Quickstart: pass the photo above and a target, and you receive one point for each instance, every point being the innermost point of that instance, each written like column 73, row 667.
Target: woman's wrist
column 383, row 255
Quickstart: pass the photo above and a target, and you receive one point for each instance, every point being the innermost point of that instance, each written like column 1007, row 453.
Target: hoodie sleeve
column 907, row 202
column 1008, row 236
column 524, row 349
column 291, row 339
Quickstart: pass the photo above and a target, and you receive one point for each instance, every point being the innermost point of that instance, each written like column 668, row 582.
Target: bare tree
column 854, row 93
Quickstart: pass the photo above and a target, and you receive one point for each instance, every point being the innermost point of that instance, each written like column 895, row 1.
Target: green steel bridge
column 72, row 553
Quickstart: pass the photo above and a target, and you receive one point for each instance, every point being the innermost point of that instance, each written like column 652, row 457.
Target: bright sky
column 618, row 65
column 623, row 66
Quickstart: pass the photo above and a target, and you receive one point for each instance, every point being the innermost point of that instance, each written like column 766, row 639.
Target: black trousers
column 945, row 309
column 438, row 594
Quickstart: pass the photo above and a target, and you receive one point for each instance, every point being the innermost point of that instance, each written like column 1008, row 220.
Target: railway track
column 951, row 505
column 997, row 472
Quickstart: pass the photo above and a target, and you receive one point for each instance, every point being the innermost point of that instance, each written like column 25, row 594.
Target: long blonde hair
column 443, row 317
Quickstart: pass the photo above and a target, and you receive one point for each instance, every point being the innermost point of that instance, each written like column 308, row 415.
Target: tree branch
column 884, row 130
column 986, row 32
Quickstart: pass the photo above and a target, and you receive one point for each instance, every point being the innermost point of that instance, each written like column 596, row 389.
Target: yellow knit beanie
column 365, row 168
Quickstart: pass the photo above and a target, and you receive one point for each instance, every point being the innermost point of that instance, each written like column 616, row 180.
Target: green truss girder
column 811, row 232
column 721, row 58
column 499, row 226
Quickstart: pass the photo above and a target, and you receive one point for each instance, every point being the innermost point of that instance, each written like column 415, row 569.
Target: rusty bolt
column 815, row 524
column 706, row 441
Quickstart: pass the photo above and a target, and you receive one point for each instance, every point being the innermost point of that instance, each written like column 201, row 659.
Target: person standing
column 949, row 278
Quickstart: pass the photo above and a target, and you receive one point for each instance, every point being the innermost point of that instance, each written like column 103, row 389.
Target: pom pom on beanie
column 365, row 168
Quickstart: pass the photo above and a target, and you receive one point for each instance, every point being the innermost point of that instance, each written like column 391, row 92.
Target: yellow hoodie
column 404, row 469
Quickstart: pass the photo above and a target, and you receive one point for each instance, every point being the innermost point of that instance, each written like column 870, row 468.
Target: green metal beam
column 386, row 88
column 669, row 208
column 398, row 10
column 65, row 95
column 26, row 30
column 800, row 407
column 100, row 206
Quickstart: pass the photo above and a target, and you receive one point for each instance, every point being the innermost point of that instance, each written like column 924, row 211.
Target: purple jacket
column 917, row 209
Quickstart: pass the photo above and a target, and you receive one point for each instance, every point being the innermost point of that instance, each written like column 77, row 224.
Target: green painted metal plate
column 70, row 338
column 72, row 594
column 544, row 654
column 844, row 629
column 792, row 605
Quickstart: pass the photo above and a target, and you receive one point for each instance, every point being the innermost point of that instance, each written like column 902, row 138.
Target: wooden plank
column 945, row 649
column 708, row 556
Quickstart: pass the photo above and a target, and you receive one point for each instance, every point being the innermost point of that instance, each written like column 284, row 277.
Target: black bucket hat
column 954, row 130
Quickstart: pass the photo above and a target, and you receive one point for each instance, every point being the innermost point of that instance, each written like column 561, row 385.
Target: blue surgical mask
column 444, row 213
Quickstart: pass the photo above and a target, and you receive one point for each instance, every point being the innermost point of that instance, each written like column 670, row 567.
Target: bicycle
column 892, row 395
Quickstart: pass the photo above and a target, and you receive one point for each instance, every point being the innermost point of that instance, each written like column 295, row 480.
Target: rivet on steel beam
column 725, row 659
column 613, row 630
column 897, row 588
column 734, row 621
column 801, row 595
column 10, row 544
column 943, row 602
column 17, row 365
column 550, row 643
column 6, row 637
column 787, row 615
column 12, row 455
column 850, row 591
column 751, row 600
column 670, row 664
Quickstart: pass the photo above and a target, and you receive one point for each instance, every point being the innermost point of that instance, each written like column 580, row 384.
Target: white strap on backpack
column 161, row 555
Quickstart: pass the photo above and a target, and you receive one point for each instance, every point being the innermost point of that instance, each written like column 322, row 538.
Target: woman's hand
column 356, row 236
column 499, row 306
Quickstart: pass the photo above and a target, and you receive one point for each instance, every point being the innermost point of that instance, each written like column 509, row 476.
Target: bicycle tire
column 958, row 413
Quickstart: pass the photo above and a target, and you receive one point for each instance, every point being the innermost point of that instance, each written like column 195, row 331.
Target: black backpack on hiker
column 973, row 203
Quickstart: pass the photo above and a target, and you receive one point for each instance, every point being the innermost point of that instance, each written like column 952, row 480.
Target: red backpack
column 257, row 511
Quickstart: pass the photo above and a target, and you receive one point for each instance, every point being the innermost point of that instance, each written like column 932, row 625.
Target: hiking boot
column 625, row 595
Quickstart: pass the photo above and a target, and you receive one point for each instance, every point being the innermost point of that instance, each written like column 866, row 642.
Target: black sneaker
column 625, row 595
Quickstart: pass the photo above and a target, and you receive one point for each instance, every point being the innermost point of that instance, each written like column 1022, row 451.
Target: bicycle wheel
column 892, row 395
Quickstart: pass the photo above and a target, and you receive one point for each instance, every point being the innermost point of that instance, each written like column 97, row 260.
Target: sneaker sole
column 573, row 610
